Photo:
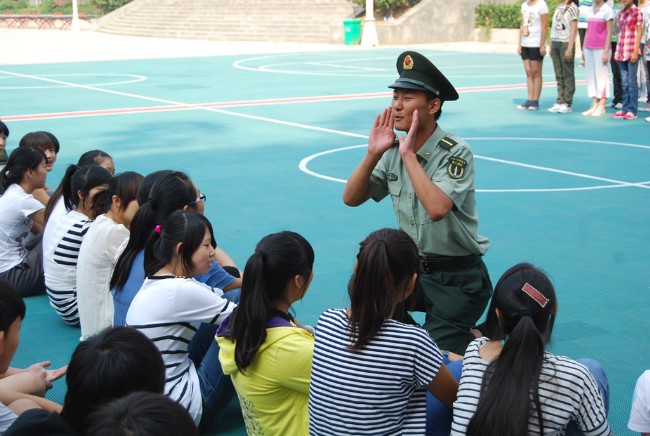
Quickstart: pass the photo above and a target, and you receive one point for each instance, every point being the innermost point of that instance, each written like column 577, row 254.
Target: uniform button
column 412, row 222
column 427, row 155
column 410, row 196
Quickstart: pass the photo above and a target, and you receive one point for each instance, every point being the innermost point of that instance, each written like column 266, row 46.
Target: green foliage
column 388, row 7
column 494, row 16
column 106, row 6
column 46, row 7
column 13, row 5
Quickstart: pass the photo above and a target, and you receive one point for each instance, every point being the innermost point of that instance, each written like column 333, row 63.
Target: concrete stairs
column 312, row 21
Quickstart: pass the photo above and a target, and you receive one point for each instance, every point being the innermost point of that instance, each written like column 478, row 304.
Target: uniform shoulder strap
column 447, row 142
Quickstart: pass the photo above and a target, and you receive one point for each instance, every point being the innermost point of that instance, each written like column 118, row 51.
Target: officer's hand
column 382, row 136
column 407, row 145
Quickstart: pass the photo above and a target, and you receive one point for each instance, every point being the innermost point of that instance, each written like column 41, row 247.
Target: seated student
column 20, row 390
column 61, row 246
column 263, row 348
column 370, row 372
column 48, row 144
column 640, row 412
column 106, row 366
column 4, row 134
column 516, row 387
column 142, row 414
column 170, row 191
column 98, row 252
column 21, row 265
column 172, row 308
column 56, row 207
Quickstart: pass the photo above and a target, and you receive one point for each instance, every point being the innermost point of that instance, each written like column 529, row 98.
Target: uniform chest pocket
column 394, row 188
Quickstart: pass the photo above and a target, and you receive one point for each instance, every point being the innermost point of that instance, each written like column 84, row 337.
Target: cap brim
column 407, row 85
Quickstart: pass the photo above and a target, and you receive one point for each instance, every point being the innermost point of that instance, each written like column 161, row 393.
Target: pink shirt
column 597, row 19
column 628, row 20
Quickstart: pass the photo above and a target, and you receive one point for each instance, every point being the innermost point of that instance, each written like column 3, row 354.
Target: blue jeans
column 597, row 370
column 630, row 86
column 439, row 416
column 217, row 389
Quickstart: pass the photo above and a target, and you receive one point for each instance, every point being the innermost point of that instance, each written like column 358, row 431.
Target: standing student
column 370, row 373
column 583, row 6
column 20, row 213
column 617, row 101
column 600, row 24
column 532, row 48
column 263, row 349
column 171, row 307
column 81, row 185
column 430, row 179
column 630, row 21
column 563, row 42
column 512, row 386
column 98, row 252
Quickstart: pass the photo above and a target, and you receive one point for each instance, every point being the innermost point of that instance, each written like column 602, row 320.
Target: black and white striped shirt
column 169, row 311
column 379, row 390
column 567, row 392
column 60, row 263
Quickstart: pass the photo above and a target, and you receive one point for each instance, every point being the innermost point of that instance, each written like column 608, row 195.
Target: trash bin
column 352, row 31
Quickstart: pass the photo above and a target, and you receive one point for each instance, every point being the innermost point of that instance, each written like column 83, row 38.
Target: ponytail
column 277, row 259
column 386, row 261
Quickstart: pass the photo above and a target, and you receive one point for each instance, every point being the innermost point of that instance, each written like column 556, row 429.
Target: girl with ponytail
column 21, row 264
column 62, row 239
column 180, row 314
column 370, row 373
column 266, row 352
column 515, row 387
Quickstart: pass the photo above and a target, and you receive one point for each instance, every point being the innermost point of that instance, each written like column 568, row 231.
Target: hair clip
column 535, row 295
column 158, row 229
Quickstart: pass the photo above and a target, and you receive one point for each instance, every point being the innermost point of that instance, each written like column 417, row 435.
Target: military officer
column 429, row 175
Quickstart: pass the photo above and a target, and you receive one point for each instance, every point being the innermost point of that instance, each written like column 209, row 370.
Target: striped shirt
column 169, row 311
column 584, row 6
column 379, row 390
column 60, row 264
column 567, row 392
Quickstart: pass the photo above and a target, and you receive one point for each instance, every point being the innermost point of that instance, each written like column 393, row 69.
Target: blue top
column 216, row 277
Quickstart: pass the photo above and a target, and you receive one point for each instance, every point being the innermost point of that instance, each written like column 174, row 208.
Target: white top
column 378, row 390
column 7, row 417
column 15, row 208
column 640, row 413
column 567, row 392
column 60, row 258
column 532, row 23
column 58, row 212
column 94, row 269
column 562, row 19
column 169, row 310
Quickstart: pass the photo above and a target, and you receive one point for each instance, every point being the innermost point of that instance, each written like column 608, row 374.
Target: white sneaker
column 648, row 119
column 645, row 108
column 564, row 109
column 589, row 111
column 555, row 108
column 618, row 106
column 599, row 111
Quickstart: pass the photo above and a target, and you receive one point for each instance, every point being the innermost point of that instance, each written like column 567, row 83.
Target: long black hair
column 92, row 157
column 181, row 226
column 82, row 179
column 526, row 301
column 278, row 258
column 124, row 186
column 386, row 262
column 20, row 160
column 170, row 192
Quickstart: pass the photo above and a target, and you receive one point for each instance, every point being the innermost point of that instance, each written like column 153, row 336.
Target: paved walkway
column 33, row 46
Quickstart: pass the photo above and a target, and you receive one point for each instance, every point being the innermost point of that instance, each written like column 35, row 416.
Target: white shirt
column 640, row 413
column 15, row 208
column 532, row 23
column 94, row 269
column 169, row 310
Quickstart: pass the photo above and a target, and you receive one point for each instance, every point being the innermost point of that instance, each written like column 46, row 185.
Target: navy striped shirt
column 378, row 390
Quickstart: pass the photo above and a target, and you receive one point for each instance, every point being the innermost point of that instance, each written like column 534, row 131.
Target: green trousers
column 454, row 301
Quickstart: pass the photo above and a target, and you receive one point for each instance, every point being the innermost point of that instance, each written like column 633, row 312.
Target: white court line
column 321, row 129
column 135, row 78
column 303, row 166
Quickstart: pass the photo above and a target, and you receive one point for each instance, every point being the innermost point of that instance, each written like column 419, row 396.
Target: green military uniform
column 455, row 286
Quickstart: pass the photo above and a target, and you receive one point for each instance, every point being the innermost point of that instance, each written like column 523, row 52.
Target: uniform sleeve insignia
column 447, row 142
column 392, row 177
column 456, row 167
